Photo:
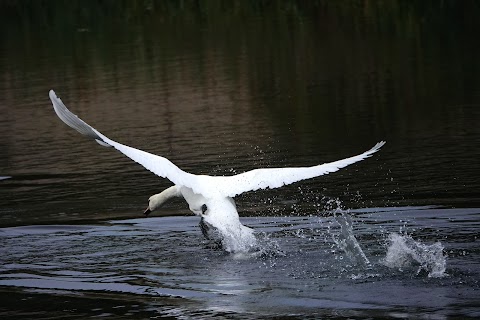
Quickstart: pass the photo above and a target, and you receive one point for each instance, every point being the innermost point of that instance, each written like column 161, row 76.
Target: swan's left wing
column 278, row 177
column 159, row 165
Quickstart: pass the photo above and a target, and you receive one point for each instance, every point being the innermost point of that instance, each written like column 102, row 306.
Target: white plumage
column 216, row 192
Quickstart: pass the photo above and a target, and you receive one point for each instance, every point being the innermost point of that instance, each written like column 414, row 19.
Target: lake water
column 222, row 88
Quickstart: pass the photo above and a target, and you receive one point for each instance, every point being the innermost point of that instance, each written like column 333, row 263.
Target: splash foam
column 403, row 252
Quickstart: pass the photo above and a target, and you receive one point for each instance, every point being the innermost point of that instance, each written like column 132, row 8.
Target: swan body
column 219, row 217
column 210, row 197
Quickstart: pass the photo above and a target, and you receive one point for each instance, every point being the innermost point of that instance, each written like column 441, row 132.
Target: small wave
column 4, row 177
column 403, row 252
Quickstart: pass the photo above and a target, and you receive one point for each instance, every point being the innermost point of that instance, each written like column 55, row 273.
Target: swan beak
column 147, row 211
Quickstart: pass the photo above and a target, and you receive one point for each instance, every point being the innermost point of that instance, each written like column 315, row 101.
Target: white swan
column 210, row 197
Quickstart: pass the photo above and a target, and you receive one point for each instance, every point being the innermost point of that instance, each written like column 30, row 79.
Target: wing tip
column 379, row 144
column 74, row 122
column 52, row 94
column 375, row 148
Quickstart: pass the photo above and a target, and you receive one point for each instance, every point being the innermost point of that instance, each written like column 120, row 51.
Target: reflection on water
column 145, row 259
column 220, row 88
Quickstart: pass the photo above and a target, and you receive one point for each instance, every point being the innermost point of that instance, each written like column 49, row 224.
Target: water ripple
column 167, row 257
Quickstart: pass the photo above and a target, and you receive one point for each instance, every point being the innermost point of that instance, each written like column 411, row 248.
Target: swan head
column 155, row 202
column 158, row 200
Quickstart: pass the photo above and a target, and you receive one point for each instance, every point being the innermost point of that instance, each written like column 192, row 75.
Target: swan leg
column 205, row 228
column 211, row 234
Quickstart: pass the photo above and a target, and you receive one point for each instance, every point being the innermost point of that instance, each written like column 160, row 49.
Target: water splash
column 265, row 248
column 346, row 240
column 403, row 252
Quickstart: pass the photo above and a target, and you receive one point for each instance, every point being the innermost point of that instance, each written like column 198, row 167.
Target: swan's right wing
column 278, row 177
column 159, row 165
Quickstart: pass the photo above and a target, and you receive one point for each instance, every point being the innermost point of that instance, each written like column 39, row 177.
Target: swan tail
column 75, row 122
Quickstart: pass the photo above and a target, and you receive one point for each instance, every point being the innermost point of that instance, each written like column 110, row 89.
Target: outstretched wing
column 278, row 177
column 229, row 186
column 159, row 165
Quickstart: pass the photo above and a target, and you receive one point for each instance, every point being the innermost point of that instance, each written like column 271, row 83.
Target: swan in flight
column 209, row 197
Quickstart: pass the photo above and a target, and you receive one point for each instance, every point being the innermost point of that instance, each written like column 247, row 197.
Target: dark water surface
column 161, row 266
column 225, row 87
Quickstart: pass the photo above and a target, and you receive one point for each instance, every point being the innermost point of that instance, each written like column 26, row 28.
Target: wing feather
column 208, row 186
column 278, row 177
column 159, row 165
